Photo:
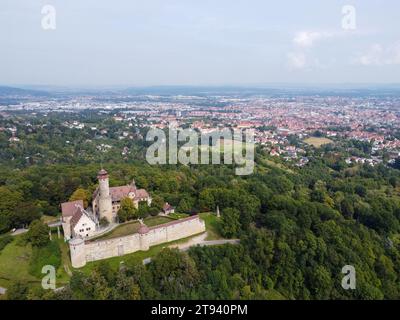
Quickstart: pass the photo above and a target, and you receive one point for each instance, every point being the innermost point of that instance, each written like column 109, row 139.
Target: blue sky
column 203, row 42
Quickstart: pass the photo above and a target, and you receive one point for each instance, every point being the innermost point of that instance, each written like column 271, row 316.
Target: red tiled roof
column 118, row 193
column 68, row 209
column 141, row 193
column 76, row 217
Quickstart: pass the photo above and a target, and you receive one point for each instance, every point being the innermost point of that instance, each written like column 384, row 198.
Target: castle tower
column 105, row 201
column 77, row 249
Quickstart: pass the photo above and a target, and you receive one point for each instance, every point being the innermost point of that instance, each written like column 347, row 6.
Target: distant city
column 283, row 119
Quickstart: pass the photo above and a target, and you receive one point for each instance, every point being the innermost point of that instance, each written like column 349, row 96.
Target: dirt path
column 200, row 240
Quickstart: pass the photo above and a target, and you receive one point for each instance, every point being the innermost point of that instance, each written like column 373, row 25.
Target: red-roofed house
column 76, row 221
column 167, row 208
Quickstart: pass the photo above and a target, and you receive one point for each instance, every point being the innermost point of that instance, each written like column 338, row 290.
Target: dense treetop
column 298, row 226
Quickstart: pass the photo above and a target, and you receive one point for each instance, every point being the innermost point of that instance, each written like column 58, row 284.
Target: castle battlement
column 83, row 252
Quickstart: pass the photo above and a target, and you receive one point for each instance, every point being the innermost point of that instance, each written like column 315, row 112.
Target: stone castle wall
column 82, row 252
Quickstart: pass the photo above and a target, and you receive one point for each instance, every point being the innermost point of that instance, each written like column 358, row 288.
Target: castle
column 80, row 224
column 106, row 200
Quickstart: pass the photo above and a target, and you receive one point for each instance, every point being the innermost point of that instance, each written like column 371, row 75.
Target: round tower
column 78, row 255
column 105, row 201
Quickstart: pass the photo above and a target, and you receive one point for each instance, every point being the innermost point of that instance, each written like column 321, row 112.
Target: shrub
column 154, row 211
column 104, row 222
column 38, row 234
column 5, row 241
column 17, row 291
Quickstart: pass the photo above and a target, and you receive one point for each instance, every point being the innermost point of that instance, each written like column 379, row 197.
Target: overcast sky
column 198, row 42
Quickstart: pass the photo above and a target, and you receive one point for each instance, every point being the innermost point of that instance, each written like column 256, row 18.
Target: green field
column 120, row 231
column 237, row 147
column 155, row 221
column 271, row 164
column 317, row 142
column 132, row 227
column 15, row 264
column 212, row 225
column 178, row 215
column 63, row 273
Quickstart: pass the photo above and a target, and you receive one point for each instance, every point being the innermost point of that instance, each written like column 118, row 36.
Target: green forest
column 298, row 227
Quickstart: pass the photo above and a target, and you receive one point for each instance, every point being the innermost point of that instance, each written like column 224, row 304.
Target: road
column 211, row 243
column 19, row 231
column 23, row 230
column 200, row 241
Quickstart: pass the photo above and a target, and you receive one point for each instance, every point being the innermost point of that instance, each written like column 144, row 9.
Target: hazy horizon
column 286, row 85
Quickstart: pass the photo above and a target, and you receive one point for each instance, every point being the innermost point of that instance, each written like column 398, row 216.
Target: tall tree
column 38, row 234
column 230, row 222
column 80, row 194
column 127, row 211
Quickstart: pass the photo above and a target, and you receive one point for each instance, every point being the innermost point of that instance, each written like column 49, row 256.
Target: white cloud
column 304, row 41
column 373, row 56
column 378, row 55
column 395, row 56
column 297, row 60
column 308, row 38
